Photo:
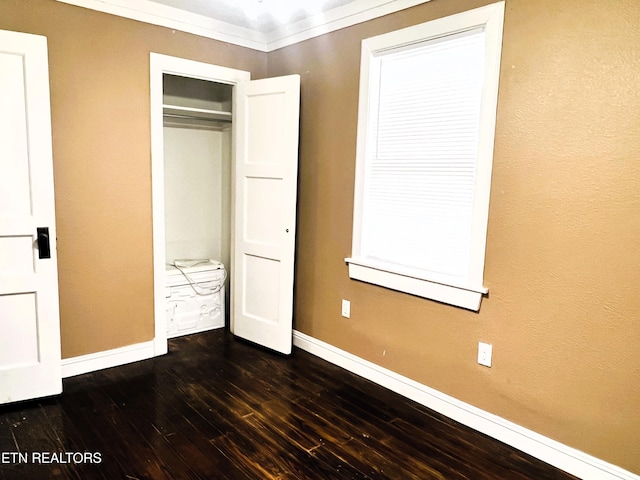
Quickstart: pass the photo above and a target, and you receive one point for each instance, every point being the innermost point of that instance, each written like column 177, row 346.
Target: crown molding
column 176, row 19
column 157, row 14
column 335, row 19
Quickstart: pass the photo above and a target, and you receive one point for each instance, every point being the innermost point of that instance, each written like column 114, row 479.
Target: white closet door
column 266, row 122
column 29, row 312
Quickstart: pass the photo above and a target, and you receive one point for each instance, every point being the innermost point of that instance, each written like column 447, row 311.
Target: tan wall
column 563, row 253
column 99, row 68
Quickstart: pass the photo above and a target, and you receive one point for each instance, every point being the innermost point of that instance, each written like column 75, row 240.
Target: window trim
column 462, row 292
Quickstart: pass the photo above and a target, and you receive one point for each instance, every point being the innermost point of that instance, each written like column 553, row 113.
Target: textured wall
column 99, row 72
column 563, row 251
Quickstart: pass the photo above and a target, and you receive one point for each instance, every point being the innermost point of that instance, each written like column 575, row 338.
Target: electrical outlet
column 485, row 351
column 346, row 308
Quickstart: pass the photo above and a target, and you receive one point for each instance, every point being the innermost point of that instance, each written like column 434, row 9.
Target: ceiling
column 256, row 14
column 259, row 24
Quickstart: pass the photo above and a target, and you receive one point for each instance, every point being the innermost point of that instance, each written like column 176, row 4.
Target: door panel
column 19, row 329
column 29, row 315
column 267, row 116
column 263, row 304
column 14, row 168
column 263, row 203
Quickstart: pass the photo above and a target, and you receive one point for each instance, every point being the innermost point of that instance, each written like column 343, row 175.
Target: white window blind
column 426, row 127
column 422, row 151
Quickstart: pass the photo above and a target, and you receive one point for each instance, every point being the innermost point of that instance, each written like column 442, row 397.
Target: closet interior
column 197, row 117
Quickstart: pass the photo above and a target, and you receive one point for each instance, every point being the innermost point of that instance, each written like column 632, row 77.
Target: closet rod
column 196, row 117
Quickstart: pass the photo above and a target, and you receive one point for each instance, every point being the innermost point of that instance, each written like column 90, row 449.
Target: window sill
column 365, row 271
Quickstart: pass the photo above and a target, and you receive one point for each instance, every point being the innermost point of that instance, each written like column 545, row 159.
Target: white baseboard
column 107, row 359
column 549, row 451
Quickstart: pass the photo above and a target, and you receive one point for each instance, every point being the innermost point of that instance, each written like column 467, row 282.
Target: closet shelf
column 179, row 112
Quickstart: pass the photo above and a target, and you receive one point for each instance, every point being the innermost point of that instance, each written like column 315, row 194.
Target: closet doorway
column 197, row 124
column 232, row 144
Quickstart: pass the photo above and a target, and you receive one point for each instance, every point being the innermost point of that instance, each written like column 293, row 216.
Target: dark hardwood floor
column 218, row 408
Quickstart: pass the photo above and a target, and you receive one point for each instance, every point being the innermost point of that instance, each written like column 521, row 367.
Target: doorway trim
column 160, row 64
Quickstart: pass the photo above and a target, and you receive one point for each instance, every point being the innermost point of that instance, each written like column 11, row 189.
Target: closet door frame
column 159, row 65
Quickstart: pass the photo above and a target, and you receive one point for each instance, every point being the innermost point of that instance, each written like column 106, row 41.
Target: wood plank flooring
column 219, row 408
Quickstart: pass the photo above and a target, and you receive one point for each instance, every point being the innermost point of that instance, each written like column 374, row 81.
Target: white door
column 266, row 170
column 29, row 315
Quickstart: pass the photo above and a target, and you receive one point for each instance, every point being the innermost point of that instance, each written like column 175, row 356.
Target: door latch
column 44, row 246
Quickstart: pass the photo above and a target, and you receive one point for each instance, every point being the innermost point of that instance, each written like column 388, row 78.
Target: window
column 426, row 124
